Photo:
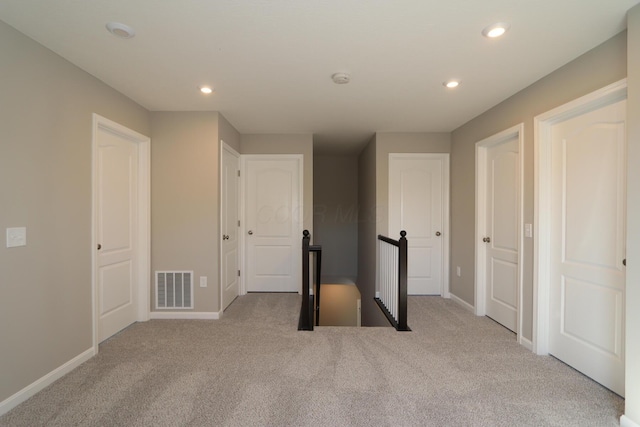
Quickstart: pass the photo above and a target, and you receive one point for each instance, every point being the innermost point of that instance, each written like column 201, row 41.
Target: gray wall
column 632, row 357
column 227, row 133
column 595, row 69
column 335, row 213
column 367, row 236
column 185, row 218
column 287, row 144
column 46, row 107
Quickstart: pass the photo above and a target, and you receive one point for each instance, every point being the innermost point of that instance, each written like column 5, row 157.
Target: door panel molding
column 227, row 150
column 443, row 158
column 588, row 334
column 143, row 253
column 244, row 160
column 482, row 148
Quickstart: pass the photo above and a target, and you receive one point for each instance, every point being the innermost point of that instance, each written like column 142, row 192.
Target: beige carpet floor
column 253, row 368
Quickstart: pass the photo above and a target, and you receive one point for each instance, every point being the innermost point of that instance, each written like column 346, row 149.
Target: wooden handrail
column 399, row 320
column 310, row 309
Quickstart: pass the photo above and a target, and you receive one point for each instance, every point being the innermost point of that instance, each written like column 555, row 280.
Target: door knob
column 250, row 232
column 99, row 246
column 486, row 239
column 438, row 233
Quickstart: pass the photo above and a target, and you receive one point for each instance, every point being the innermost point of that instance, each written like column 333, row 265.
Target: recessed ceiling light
column 206, row 90
column 121, row 30
column 451, row 84
column 495, row 30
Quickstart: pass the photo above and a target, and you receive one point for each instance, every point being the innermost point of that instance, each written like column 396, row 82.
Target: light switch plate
column 528, row 230
column 16, row 236
column 203, row 281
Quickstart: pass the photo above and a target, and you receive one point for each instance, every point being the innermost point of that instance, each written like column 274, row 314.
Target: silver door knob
column 486, row 239
column 250, row 233
column 438, row 233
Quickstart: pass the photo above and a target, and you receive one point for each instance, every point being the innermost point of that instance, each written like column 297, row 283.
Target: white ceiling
column 271, row 61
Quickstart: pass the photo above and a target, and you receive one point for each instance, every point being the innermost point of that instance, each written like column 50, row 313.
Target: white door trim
column 243, row 210
column 144, row 222
column 542, row 199
column 444, row 157
column 516, row 131
column 224, row 146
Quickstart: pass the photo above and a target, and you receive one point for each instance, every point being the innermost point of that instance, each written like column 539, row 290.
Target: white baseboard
column 526, row 343
column 45, row 381
column 463, row 303
column 627, row 422
column 187, row 315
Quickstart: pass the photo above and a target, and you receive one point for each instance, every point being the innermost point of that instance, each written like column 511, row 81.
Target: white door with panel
column 587, row 286
column 502, row 232
column 416, row 205
column 230, row 185
column 117, row 188
column 273, row 222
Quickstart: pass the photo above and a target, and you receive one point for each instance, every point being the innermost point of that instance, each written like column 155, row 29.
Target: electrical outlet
column 458, row 271
column 203, row 281
column 16, row 236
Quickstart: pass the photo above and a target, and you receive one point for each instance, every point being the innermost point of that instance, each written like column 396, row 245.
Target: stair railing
column 392, row 278
column 310, row 309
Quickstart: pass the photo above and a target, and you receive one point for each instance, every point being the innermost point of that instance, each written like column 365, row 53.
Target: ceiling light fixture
column 206, row 90
column 121, row 30
column 341, row 78
column 451, row 84
column 495, row 30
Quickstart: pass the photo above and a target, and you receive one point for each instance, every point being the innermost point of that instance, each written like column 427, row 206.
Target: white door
column 502, row 232
column 273, row 224
column 117, row 188
column 587, row 283
column 229, row 225
column 416, row 205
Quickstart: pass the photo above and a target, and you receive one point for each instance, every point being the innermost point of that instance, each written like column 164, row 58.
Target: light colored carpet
column 253, row 368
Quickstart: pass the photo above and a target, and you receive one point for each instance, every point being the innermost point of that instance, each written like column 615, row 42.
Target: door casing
column 224, row 147
column 542, row 195
column 143, row 256
column 481, row 221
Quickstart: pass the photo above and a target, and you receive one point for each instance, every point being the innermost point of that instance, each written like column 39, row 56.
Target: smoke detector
column 341, row 78
column 121, row 30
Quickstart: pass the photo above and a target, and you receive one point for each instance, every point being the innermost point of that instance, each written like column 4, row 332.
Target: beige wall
column 185, row 201
column 595, row 69
column 46, row 107
column 287, row 144
column 335, row 213
column 632, row 357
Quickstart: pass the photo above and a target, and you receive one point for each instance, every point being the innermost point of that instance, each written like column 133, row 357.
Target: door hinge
column 238, row 273
column 238, row 223
column 238, row 173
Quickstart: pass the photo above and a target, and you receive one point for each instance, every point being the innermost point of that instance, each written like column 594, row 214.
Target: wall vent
column 174, row 289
